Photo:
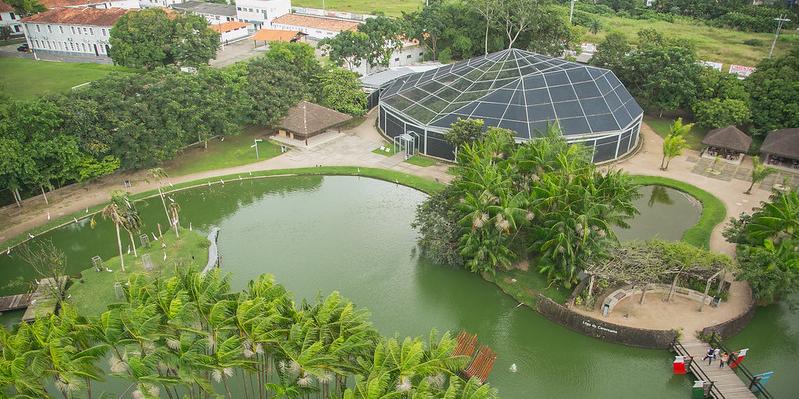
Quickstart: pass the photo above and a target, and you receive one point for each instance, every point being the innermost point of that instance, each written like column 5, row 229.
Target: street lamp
column 255, row 145
column 780, row 21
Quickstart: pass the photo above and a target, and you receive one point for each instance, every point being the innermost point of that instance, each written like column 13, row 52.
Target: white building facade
column 101, row 4
column 231, row 31
column 10, row 19
column 411, row 53
column 75, row 31
column 261, row 13
column 158, row 3
column 212, row 12
column 317, row 28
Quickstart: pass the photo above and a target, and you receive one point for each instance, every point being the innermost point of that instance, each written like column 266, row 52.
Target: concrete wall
column 261, row 12
column 732, row 327
column 631, row 336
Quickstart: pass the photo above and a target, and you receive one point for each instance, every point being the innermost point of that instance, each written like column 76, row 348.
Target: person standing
column 724, row 359
column 709, row 356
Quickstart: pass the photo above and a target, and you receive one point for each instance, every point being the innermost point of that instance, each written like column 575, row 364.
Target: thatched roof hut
column 307, row 119
column 730, row 138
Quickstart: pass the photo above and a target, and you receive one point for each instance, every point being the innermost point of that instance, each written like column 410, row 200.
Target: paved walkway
column 724, row 379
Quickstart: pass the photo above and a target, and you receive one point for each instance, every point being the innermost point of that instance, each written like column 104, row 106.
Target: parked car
column 24, row 48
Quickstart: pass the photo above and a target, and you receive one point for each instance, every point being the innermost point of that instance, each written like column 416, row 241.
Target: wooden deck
column 15, row 302
column 43, row 302
column 727, row 384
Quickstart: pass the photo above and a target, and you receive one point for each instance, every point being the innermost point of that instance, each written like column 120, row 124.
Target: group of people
column 715, row 353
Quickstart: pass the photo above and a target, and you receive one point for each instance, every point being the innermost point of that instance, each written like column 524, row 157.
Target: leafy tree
column 341, row 90
column 26, row 7
column 150, row 37
column 465, row 131
column 771, row 269
column 116, row 212
column 436, row 220
column 384, row 37
column 594, row 27
column 348, row 47
column 611, row 52
column 714, row 84
column 518, row 16
column 427, row 25
column 674, row 143
column 759, row 172
column 719, row 113
column 490, row 11
column 774, row 91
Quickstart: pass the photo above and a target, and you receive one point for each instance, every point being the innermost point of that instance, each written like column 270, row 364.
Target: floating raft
column 482, row 362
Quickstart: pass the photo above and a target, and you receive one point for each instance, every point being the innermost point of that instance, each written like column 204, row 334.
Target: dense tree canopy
column 150, row 38
column 340, row 89
column 774, row 90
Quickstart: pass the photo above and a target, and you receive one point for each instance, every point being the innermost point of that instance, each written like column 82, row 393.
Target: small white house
column 72, row 31
column 317, row 28
column 261, row 13
column 212, row 12
column 411, row 53
column 231, row 31
column 9, row 18
column 102, row 4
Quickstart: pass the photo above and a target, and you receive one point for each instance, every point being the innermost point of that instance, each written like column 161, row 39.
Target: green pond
column 319, row 234
column 665, row 213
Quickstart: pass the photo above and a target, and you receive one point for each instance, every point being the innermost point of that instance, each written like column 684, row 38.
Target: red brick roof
column 51, row 4
column 309, row 21
column 5, row 7
column 228, row 26
column 78, row 16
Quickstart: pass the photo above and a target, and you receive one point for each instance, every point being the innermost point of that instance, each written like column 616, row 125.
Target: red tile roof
column 5, row 7
column 51, row 4
column 228, row 26
column 274, row 35
column 309, row 21
column 78, row 16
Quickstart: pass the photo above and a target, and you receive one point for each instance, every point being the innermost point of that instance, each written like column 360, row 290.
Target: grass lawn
column 394, row 7
column 391, row 150
column 420, row 160
column 661, row 127
column 94, row 291
column 712, row 44
column 528, row 284
column 713, row 210
column 28, row 78
column 234, row 151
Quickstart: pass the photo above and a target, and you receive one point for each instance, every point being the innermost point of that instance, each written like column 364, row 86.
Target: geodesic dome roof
column 517, row 90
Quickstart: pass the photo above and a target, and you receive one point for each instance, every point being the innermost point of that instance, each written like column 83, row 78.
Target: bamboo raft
column 482, row 362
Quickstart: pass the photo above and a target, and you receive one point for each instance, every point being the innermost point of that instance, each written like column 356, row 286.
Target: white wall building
column 411, row 53
column 317, row 28
column 10, row 19
column 261, row 13
column 231, row 31
column 102, row 4
column 158, row 3
column 212, row 12
column 72, row 31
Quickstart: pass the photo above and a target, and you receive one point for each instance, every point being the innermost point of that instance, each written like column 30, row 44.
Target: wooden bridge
column 15, row 302
column 724, row 382
column 41, row 302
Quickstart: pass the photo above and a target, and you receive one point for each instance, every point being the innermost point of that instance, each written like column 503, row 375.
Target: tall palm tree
column 675, row 142
column 159, row 174
column 131, row 221
column 759, row 172
column 115, row 211
column 174, row 211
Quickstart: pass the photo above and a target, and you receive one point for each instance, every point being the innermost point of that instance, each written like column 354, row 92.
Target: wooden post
column 673, row 286
column 643, row 293
column 590, row 285
column 704, row 298
column 160, row 234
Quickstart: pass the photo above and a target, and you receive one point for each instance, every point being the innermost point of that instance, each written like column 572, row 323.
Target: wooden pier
column 724, row 382
column 41, row 302
column 15, row 302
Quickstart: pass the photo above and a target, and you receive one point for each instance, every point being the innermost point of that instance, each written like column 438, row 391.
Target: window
column 38, row 28
column 36, row 43
column 72, row 45
column 16, row 28
column 396, row 59
column 83, row 46
column 421, row 53
column 13, row 16
column 72, row 28
column 49, row 28
column 85, row 30
column 61, row 29
column 105, row 33
column 409, row 56
column 239, row 8
column 91, row 31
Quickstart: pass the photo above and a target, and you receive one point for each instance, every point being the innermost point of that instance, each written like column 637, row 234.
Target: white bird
column 190, row 229
column 75, row 219
column 250, row 173
column 128, row 249
column 154, row 237
column 8, row 252
column 30, row 236
column 171, row 185
column 48, row 215
column 209, row 184
column 87, row 210
column 164, row 255
column 222, row 181
column 513, row 368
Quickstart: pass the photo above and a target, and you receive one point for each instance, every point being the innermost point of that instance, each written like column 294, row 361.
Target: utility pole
column 571, row 10
column 780, row 21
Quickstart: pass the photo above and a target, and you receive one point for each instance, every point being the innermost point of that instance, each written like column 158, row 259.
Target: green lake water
column 319, row 234
column 665, row 213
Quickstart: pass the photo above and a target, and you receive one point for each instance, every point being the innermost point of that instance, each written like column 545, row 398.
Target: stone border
column 586, row 325
column 732, row 327
column 213, row 250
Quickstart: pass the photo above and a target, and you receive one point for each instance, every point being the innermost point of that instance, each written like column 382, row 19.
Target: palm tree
column 115, row 210
column 174, row 210
column 759, row 172
column 159, row 174
column 675, row 142
column 131, row 221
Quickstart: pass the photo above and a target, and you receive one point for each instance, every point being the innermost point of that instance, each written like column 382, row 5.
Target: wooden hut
column 781, row 148
column 307, row 119
column 728, row 143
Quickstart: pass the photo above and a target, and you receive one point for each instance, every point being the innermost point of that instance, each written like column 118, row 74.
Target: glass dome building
column 516, row 90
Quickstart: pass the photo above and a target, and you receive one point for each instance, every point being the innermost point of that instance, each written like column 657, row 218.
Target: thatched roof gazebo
column 307, row 119
column 727, row 142
column 781, row 148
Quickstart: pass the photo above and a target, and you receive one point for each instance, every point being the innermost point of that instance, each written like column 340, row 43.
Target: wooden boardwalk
column 15, row 302
column 43, row 301
column 726, row 384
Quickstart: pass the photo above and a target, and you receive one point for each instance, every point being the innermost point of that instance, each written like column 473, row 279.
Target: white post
column 780, row 21
column 571, row 10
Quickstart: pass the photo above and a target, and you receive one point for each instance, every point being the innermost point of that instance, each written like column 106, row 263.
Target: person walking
column 724, row 359
column 709, row 356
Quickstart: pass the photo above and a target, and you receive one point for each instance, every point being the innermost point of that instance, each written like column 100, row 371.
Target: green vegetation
column 94, row 291
column 528, row 286
column 674, row 143
column 190, row 333
column 234, row 151
column 661, row 127
column 25, row 78
column 713, row 210
column 391, row 150
column 393, row 8
column 421, row 160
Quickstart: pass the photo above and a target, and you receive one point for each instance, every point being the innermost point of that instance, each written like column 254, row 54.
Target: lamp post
column 255, row 145
column 571, row 10
column 780, row 21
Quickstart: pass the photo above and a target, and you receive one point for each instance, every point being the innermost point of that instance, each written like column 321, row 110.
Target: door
column 96, row 52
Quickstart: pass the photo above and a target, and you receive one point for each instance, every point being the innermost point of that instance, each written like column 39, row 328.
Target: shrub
column 753, row 42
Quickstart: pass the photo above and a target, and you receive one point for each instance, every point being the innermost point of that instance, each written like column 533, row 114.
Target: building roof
column 201, row 7
column 729, row 137
column 782, row 143
column 518, row 90
column 379, row 79
column 308, row 118
column 78, row 16
column 228, row 26
column 322, row 23
column 275, row 35
column 51, row 4
column 5, row 7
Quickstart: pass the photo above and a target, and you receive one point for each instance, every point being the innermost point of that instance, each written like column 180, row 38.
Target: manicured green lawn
column 393, row 7
column 26, row 78
column 391, row 150
column 713, row 210
column 661, row 127
column 234, row 151
column 420, row 160
column 94, row 291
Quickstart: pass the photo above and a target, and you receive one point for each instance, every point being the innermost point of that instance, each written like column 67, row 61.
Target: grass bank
column 416, row 182
column 233, row 151
column 392, row 8
column 661, row 127
column 713, row 210
column 28, row 78
column 94, row 291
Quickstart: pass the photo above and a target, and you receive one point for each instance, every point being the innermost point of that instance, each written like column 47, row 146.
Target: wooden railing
column 697, row 371
column 753, row 381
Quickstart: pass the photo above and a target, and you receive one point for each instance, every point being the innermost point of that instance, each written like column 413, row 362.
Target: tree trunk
column 668, row 161
column 163, row 202
column 135, row 254
column 486, row 41
column 643, row 293
column 119, row 246
column 15, row 194
column 673, row 286
column 227, row 389
column 662, row 162
column 44, row 195
column 749, row 190
column 89, row 388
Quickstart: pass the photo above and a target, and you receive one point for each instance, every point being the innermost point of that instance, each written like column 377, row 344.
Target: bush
column 445, row 56
column 717, row 113
column 753, row 42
